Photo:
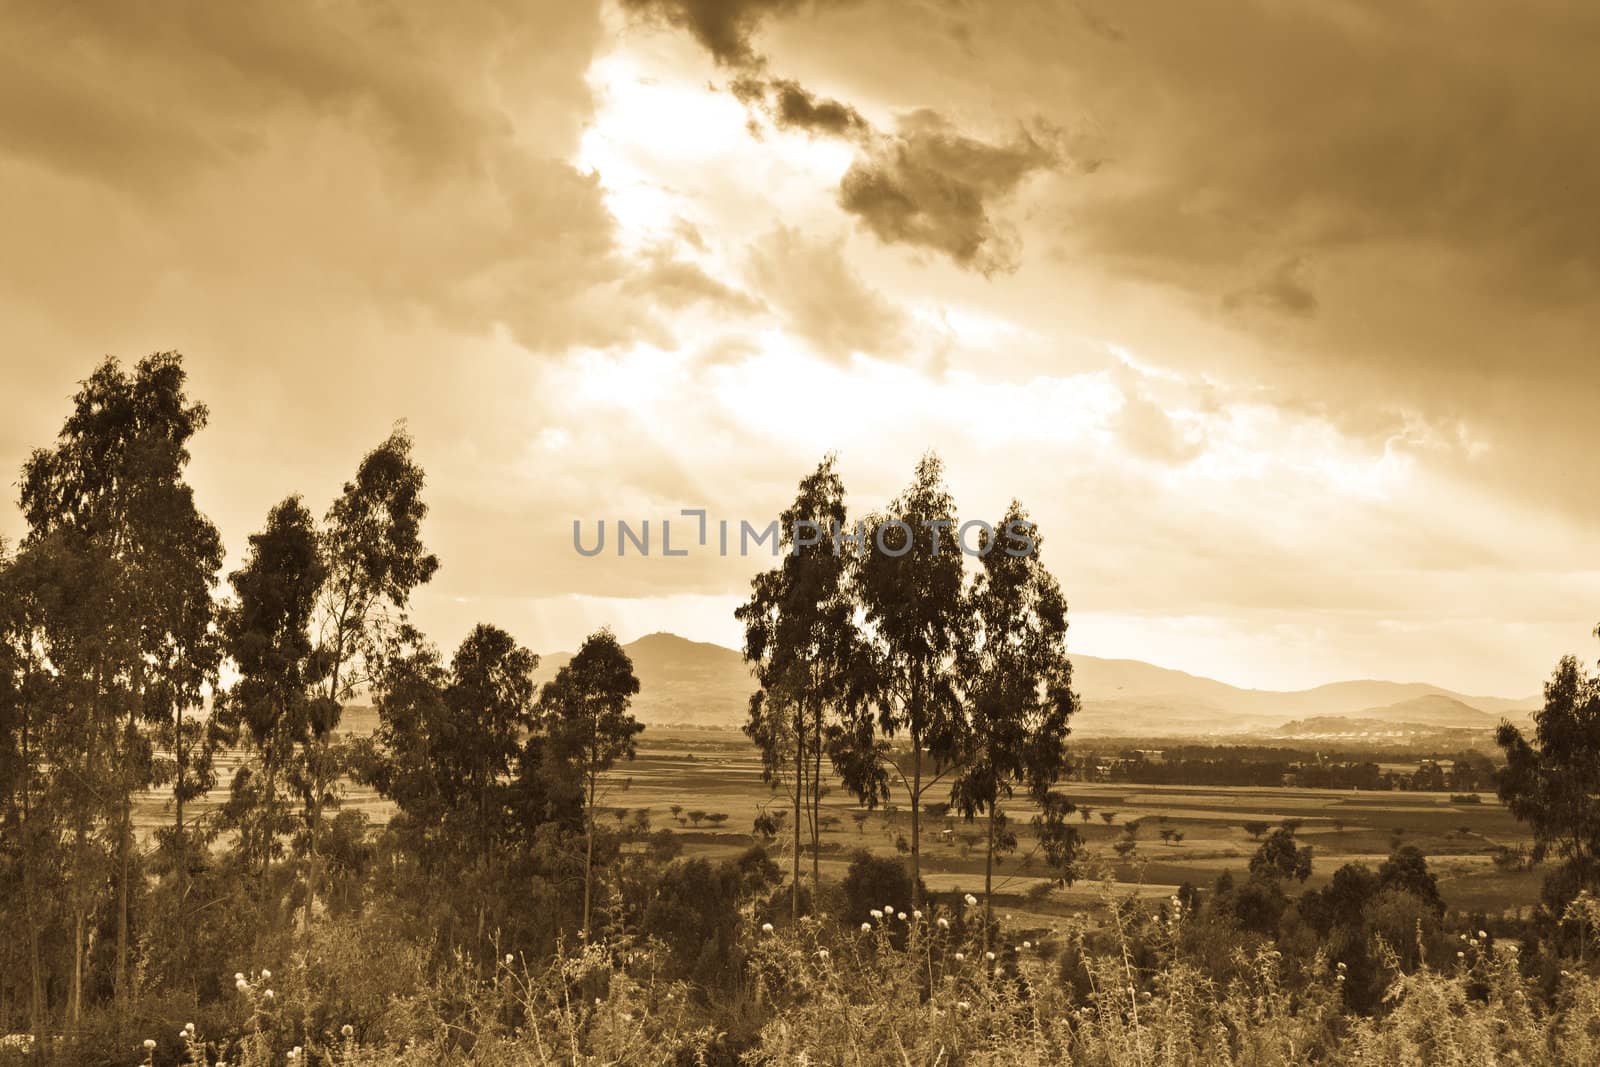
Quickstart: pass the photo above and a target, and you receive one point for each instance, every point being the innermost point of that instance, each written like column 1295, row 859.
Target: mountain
column 681, row 682
column 1132, row 698
column 685, row 682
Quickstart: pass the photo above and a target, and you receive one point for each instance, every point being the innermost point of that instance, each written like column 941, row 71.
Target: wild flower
column 876, row 913
column 972, row 901
column 866, row 928
column 766, row 928
column 944, row 924
column 960, row 956
column 989, row 956
column 149, row 1044
column 348, row 1031
column 916, row 914
column 901, row 916
column 1027, row 945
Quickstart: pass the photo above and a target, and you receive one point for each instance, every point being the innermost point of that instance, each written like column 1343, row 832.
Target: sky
column 1279, row 317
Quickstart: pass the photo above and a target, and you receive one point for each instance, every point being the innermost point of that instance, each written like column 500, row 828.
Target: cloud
column 923, row 184
column 1284, row 290
column 930, row 186
column 823, row 299
column 333, row 147
column 725, row 28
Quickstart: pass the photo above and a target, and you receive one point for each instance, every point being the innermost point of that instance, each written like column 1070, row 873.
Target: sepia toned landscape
column 799, row 532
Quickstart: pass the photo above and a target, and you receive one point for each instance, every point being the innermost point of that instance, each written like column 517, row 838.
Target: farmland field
column 714, row 777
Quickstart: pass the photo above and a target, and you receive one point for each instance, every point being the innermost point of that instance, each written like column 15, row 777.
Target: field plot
column 706, row 787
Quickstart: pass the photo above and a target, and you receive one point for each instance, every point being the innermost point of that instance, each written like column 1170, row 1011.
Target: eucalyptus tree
column 1017, row 682
column 24, row 765
column 372, row 558
column 113, row 486
column 450, row 743
column 1551, row 781
column 910, row 585
column 267, row 634
column 584, row 715
column 803, row 644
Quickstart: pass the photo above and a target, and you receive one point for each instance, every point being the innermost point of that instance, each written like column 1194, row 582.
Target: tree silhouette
column 584, row 710
column 910, row 580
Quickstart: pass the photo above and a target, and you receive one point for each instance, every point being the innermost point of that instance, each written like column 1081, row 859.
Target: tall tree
column 910, row 586
column 25, row 685
column 115, row 484
column 373, row 558
column 802, row 641
column 584, row 712
column 1018, row 687
column 1552, row 782
column 267, row 634
column 450, row 744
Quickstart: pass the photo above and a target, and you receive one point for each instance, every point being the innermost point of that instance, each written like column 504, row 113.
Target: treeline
column 122, row 671
column 1462, row 772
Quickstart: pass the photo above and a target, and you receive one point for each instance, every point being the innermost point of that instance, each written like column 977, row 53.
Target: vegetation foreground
column 506, row 914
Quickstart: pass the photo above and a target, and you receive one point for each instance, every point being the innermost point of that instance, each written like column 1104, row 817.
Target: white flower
column 901, row 916
column 348, row 1031
column 241, row 985
column 875, row 913
column 889, row 908
column 960, row 956
column 916, row 914
column 266, row 976
column 1483, row 935
column 510, row 959
column 267, row 995
column 149, row 1044
column 822, row 953
column 1461, row 955
column 972, row 901
column 1027, row 944
column 963, row 1005
column 766, row 928
column 944, row 924
column 866, row 928
column 238, row 976
column 989, row 956
column 1341, row 977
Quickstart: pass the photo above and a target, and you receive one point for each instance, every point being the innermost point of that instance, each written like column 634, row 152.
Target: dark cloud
column 793, row 107
column 724, row 27
column 925, row 184
column 372, row 149
column 930, row 186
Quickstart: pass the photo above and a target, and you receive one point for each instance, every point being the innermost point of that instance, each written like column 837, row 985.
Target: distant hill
column 687, row 682
column 681, row 682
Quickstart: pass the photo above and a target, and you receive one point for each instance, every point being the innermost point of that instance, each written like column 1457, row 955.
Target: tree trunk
column 119, row 980
column 799, row 786
column 916, row 812
column 588, row 859
column 988, row 880
column 179, row 851
column 30, row 861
